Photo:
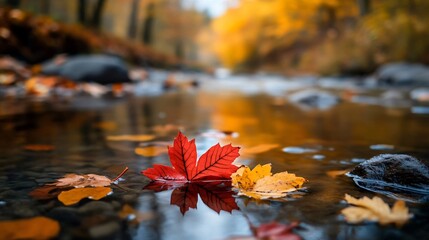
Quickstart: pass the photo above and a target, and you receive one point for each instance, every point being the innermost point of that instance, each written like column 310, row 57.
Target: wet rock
column 104, row 230
column 382, row 147
column 96, row 206
column 396, row 175
column 101, row 69
column 403, row 74
column 312, row 98
column 66, row 215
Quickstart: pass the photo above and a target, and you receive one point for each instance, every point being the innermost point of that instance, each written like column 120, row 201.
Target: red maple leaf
column 215, row 164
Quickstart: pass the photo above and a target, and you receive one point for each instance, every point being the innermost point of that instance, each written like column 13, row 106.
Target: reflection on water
column 338, row 137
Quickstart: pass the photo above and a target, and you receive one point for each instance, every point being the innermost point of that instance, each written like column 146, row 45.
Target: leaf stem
column 120, row 174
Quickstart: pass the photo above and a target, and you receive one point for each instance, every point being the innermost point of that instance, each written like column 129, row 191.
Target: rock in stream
column 395, row 175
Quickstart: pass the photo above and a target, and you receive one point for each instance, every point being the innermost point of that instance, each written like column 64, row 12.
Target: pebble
column 382, row 147
column 104, row 230
column 318, row 157
column 297, row 150
column 96, row 206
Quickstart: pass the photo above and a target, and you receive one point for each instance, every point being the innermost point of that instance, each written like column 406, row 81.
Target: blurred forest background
column 285, row 36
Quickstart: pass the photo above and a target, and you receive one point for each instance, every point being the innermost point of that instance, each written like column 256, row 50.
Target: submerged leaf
column 259, row 184
column 275, row 230
column 39, row 147
column 75, row 195
column 376, row 210
column 131, row 138
column 31, row 228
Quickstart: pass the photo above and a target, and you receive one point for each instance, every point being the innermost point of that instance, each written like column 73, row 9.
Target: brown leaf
column 39, row 147
column 75, row 195
column 151, row 151
column 81, row 181
column 134, row 216
column 46, row 192
column 376, row 210
column 30, row 228
column 131, row 138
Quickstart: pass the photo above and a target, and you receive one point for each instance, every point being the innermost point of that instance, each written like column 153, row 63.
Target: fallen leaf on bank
column 259, row 183
column 94, row 89
column 40, row 86
column 275, row 230
column 131, row 138
column 75, row 195
column 151, row 151
column 261, row 148
column 336, row 173
column 39, row 147
column 375, row 210
column 30, row 228
column 215, row 164
column 87, row 180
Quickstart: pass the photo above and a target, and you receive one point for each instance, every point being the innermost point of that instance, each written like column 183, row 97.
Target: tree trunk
column 96, row 16
column 132, row 27
column 364, row 7
column 13, row 3
column 148, row 24
column 81, row 12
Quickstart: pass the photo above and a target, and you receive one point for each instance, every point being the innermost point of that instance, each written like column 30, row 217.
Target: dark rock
column 314, row 99
column 96, row 206
column 101, row 69
column 66, row 215
column 403, row 74
column 396, row 175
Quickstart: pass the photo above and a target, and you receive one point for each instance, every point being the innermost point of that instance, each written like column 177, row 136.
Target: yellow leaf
column 31, row 228
column 151, row 151
column 377, row 210
column 132, row 138
column 259, row 184
column 245, row 179
column 75, row 195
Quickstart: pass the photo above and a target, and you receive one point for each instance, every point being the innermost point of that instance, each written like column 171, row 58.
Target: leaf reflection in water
column 217, row 195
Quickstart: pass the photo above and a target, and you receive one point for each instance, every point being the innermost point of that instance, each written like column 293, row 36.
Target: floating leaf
column 261, row 148
column 215, row 164
column 81, row 181
column 336, row 173
column 31, row 228
column 131, row 138
column 87, row 180
column 46, row 192
column 151, row 151
column 39, row 147
column 259, row 184
column 376, row 210
column 75, row 195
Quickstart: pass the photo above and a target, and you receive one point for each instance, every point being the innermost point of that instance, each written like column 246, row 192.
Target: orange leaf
column 31, row 228
column 75, row 195
column 131, row 138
